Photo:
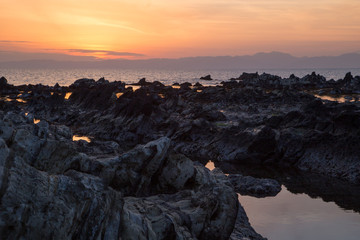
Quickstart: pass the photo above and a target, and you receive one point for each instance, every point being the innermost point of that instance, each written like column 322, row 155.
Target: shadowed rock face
column 3, row 82
column 260, row 119
column 50, row 190
column 247, row 185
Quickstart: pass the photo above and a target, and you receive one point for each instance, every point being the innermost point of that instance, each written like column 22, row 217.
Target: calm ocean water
column 67, row 76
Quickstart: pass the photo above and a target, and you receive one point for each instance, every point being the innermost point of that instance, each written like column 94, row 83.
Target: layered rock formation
column 259, row 119
column 51, row 190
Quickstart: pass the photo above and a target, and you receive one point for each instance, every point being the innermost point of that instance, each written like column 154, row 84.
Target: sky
column 108, row 29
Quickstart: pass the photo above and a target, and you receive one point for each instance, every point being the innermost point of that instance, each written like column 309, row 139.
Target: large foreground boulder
column 49, row 190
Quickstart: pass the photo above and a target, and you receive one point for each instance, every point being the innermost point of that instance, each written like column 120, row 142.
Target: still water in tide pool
column 300, row 217
column 67, row 76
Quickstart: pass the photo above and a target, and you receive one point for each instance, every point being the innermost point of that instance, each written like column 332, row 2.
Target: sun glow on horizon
column 110, row 29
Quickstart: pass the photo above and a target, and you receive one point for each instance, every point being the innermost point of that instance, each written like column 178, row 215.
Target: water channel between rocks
column 299, row 216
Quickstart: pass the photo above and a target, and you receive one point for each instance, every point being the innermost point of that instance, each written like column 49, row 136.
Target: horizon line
column 162, row 58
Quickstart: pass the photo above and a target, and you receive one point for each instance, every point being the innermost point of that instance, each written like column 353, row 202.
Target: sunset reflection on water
column 210, row 165
column 340, row 99
column 119, row 94
column 298, row 216
column 78, row 138
column 67, row 95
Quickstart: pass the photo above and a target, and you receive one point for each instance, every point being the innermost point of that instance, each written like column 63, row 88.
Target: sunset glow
column 110, row 29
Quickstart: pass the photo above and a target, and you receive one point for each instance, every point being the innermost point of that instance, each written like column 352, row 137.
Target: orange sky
column 159, row 28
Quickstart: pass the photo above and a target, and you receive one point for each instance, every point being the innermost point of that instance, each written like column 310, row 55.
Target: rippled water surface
column 68, row 76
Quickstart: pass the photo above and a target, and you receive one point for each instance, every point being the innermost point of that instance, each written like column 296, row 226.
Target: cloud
column 96, row 21
column 11, row 56
column 9, row 41
column 108, row 53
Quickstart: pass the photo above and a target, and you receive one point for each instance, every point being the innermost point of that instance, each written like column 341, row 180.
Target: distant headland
column 271, row 60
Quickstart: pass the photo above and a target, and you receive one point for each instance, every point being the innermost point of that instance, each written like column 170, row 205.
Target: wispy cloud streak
column 109, row 53
column 10, row 41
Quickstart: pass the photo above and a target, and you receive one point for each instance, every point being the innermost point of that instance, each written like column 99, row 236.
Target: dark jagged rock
column 197, row 84
column 292, row 76
column 349, row 84
column 314, row 80
column 83, row 82
column 6, row 88
column 96, row 97
column 185, row 86
column 142, row 82
column 3, row 82
column 102, row 81
column 231, row 84
column 247, row 145
column 57, row 86
column 207, row 77
column 271, row 81
column 261, row 120
column 348, row 77
column 145, row 192
column 247, row 185
column 251, row 131
column 248, row 76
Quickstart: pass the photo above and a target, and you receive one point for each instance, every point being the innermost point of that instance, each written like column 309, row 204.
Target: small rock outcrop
column 207, row 77
column 3, row 82
column 256, row 187
column 84, row 82
column 142, row 82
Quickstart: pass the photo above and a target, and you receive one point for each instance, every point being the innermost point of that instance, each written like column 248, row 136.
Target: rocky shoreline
column 140, row 173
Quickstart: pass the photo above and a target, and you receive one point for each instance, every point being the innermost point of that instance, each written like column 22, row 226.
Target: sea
column 65, row 77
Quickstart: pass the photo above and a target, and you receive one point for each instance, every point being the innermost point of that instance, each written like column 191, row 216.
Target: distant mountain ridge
column 272, row 60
